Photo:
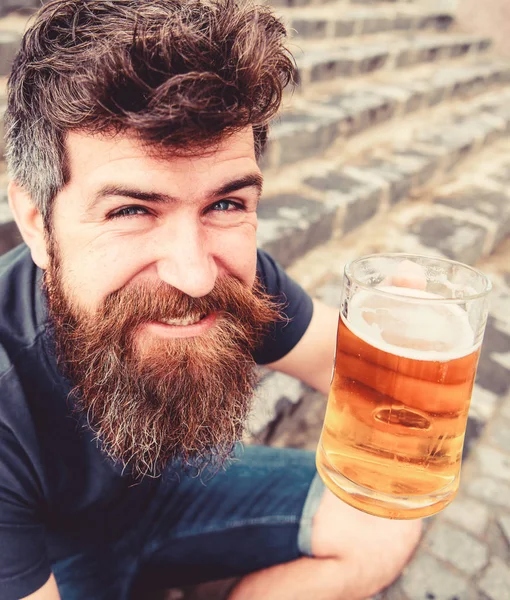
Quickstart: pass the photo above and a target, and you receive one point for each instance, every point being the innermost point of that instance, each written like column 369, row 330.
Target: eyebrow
column 250, row 180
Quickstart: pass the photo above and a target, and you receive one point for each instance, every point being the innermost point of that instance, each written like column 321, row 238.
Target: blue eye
column 226, row 206
column 128, row 211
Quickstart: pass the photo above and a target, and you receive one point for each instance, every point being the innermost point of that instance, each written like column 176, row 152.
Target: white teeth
column 182, row 322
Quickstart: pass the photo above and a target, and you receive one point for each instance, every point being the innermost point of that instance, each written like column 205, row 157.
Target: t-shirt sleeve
column 24, row 564
column 297, row 310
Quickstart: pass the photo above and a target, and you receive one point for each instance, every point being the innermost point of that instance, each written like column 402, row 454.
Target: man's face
column 151, row 291
column 126, row 218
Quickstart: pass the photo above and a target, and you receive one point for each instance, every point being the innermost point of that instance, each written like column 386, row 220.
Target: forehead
column 91, row 158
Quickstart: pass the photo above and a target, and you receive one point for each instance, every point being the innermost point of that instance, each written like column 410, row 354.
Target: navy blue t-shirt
column 57, row 489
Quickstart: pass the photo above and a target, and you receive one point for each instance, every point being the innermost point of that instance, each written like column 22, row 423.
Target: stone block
column 469, row 514
column 399, row 183
column 492, row 205
column 491, row 491
column 360, row 199
column 7, row 6
column 499, row 434
column 457, row 239
column 9, row 45
column 474, row 429
column 299, row 425
column 504, row 523
column 461, row 49
column 302, row 135
column 362, row 110
column 272, row 394
column 456, row 141
column 290, row 225
column 405, row 22
column 495, row 583
column 496, row 540
column 427, row 578
column 376, row 24
column 492, row 462
column 457, row 547
column 310, row 28
column 505, row 408
column 344, row 27
column 417, row 165
column 483, row 404
column 440, row 22
column 491, row 375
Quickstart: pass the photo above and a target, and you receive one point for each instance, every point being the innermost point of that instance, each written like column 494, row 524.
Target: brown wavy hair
column 177, row 74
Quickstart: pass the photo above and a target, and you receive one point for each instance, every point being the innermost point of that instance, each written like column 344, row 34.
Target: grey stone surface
column 428, row 578
column 491, row 491
column 496, row 581
column 499, row 434
column 459, row 240
column 399, row 183
column 485, row 202
column 474, row 428
column 504, row 523
column 491, row 375
column 362, row 109
column 505, row 408
column 273, row 393
column 301, row 135
column 471, row 515
column 483, row 403
column 496, row 541
column 492, row 462
column 457, row 547
column 7, row 6
column 290, row 225
column 9, row 45
column 360, row 198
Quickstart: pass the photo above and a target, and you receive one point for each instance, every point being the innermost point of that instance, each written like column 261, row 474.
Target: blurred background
column 396, row 139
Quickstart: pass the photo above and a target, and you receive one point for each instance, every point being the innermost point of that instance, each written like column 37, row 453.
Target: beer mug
column 409, row 336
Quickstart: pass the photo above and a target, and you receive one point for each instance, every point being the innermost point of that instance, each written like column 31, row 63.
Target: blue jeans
column 256, row 514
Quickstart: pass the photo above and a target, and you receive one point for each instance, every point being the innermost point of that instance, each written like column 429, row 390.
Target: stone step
column 325, row 60
column 466, row 218
column 315, row 122
column 20, row 6
column 340, row 20
column 11, row 32
column 331, row 197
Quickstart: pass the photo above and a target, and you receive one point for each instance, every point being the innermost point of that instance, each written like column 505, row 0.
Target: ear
column 30, row 223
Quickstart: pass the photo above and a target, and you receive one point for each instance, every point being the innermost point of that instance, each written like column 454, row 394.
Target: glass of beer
column 409, row 336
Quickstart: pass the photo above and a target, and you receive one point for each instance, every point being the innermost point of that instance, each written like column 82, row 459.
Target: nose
column 185, row 262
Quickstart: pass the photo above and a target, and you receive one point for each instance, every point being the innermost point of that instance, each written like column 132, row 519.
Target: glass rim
column 417, row 299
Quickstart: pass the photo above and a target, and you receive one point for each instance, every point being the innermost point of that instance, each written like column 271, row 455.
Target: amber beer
column 394, row 429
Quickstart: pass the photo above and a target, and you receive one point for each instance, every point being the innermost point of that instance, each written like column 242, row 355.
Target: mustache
column 155, row 302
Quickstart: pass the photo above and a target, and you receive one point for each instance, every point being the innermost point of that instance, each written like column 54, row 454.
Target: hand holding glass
column 409, row 337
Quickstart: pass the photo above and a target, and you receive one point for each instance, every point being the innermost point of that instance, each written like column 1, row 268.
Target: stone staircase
column 397, row 139
column 399, row 125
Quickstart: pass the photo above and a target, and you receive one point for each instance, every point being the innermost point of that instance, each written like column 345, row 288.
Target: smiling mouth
column 190, row 320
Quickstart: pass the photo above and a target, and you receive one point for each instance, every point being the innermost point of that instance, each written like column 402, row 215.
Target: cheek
column 91, row 276
column 236, row 253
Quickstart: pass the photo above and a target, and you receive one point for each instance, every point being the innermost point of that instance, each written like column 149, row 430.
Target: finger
column 408, row 274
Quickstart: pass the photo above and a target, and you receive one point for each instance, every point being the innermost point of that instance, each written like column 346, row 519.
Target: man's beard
column 174, row 399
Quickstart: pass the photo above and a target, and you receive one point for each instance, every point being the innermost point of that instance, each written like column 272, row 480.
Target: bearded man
column 132, row 318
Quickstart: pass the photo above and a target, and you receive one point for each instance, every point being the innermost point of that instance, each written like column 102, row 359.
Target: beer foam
column 433, row 332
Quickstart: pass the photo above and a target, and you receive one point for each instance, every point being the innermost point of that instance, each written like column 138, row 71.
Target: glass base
column 382, row 504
